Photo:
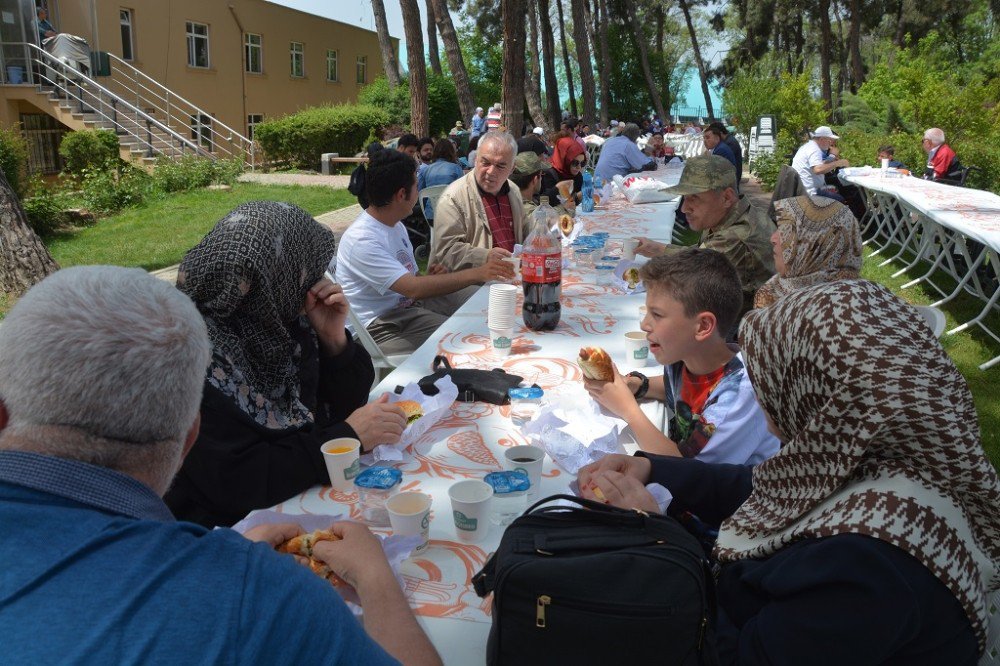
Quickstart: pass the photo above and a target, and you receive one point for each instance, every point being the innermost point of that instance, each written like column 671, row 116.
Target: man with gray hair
column 482, row 211
column 942, row 164
column 620, row 155
column 101, row 381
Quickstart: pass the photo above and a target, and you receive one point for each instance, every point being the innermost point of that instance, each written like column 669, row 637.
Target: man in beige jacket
column 481, row 211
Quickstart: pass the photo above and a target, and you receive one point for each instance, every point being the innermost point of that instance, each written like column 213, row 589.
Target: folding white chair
column 428, row 197
column 383, row 364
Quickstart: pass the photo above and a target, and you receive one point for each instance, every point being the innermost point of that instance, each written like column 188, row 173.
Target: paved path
column 295, row 179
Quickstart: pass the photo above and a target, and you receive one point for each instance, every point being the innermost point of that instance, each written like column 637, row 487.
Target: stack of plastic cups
column 500, row 317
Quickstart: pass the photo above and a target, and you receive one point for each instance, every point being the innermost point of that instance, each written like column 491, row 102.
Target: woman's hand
column 649, row 248
column 377, row 423
column 625, row 492
column 637, row 467
column 615, row 396
column 326, row 307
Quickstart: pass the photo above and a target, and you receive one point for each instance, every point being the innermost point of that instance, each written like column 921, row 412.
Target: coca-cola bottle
column 541, row 270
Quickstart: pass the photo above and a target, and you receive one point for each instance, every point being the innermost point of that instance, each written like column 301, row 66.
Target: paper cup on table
column 410, row 515
column 528, row 459
column 628, row 248
column 342, row 462
column 501, row 339
column 471, row 504
column 636, row 348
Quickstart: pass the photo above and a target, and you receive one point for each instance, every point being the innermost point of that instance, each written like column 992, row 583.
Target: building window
column 253, row 120
column 362, row 68
column 197, row 42
column 298, row 59
column 332, row 73
column 201, row 130
column 253, row 53
column 128, row 45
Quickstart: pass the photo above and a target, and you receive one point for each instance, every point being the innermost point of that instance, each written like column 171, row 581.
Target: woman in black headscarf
column 285, row 376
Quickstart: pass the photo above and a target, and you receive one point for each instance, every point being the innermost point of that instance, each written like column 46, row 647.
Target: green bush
column 394, row 102
column 108, row 191
column 14, row 159
column 45, row 207
column 301, row 138
column 442, row 101
column 89, row 149
column 767, row 166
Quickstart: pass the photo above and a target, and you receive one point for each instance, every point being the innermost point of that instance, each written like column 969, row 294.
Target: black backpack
column 598, row 585
column 357, row 186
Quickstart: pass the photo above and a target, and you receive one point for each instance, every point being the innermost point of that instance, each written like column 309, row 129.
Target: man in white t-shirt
column 378, row 272
column 809, row 160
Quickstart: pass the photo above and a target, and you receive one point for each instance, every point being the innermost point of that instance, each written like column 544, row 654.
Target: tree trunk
column 900, row 31
column 549, row 64
column 512, row 83
column 854, row 46
column 534, row 88
column 432, row 42
column 389, row 62
column 24, row 259
column 702, row 73
column 800, row 43
column 826, row 44
column 639, row 35
column 419, row 120
column 456, row 64
column 584, row 62
column 565, row 52
column 605, row 66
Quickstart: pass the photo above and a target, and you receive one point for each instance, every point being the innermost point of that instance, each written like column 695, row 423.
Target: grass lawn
column 159, row 234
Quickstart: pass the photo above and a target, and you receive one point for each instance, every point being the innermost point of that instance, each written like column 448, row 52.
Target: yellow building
column 224, row 65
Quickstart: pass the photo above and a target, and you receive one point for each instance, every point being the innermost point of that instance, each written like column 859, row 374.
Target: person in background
column 878, row 518
column 568, row 128
column 425, row 151
column 45, row 28
column 494, row 118
column 810, row 164
column 714, row 145
column 888, row 152
column 568, row 162
column 730, row 140
column 535, row 142
column 478, row 123
column 457, row 129
column 409, row 144
column 620, row 155
column 88, row 446
column 654, row 147
column 285, row 376
column 527, row 175
column 693, row 299
column 818, row 240
column 942, row 164
column 444, row 170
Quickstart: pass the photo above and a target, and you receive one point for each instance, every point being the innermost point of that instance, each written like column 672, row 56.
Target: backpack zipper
column 543, row 601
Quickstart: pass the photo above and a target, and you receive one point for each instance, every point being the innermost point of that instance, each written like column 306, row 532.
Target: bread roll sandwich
column 566, row 224
column 596, row 364
column 412, row 410
column 303, row 545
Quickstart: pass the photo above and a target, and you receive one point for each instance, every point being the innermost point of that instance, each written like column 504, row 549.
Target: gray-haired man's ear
column 4, row 416
column 189, row 439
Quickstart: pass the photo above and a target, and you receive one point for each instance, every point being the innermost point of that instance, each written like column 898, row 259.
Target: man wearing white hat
column 809, row 164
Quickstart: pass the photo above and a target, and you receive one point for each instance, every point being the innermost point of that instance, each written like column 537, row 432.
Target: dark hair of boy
column 719, row 129
column 424, row 141
column 701, row 280
column 408, row 140
column 444, row 149
column 389, row 172
column 888, row 150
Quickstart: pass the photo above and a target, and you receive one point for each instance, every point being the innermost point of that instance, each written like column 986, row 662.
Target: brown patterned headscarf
column 880, row 438
column 249, row 277
column 820, row 242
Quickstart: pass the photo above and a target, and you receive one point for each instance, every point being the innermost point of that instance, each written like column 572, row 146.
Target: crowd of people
column 806, row 417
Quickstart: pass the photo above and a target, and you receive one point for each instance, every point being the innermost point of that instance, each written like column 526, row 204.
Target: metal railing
column 78, row 89
column 147, row 93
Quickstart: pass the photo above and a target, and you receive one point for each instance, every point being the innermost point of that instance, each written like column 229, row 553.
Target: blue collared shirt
column 95, row 570
column 619, row 156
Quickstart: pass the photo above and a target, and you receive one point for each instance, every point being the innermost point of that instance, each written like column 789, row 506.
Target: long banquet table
column 470, row 440
column 956, row 230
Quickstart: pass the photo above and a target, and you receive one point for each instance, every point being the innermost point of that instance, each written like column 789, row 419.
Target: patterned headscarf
column 249, row 277
column 566, row 150
column 880, row 438
column 820, row 241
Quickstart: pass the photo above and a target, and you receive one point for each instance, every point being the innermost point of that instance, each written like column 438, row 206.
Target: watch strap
column 643, row 387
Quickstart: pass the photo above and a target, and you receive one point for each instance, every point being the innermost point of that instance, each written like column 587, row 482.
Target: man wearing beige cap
column 729, row 223
column 528, row 167
column 810, row 162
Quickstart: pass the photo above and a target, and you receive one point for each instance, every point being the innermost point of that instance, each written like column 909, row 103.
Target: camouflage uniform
column 743, row 236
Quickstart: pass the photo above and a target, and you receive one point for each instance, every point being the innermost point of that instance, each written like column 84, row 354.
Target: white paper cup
column 342, row 462
column 628, row 248
column 502, row 340
column 409, row 515
column 516, row 263
column 636, row 349
column 529, row 459
column 885, row 165
column 471, row 504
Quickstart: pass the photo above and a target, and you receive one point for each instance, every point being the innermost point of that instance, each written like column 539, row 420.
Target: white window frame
column 193, row 37
column 126, row 19
column 301, row 53
column 248, row 47
column 361, row 69
column 253, row 119
column 332, row 56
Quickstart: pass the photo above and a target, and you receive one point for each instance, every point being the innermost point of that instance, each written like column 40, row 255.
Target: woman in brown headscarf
column 284, row 376
column 818, row 240
column 873, row 536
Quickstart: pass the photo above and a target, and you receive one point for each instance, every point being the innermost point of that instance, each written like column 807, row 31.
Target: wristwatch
column 643, row 387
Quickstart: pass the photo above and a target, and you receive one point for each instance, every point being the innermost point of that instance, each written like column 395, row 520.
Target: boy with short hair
column 693, row 298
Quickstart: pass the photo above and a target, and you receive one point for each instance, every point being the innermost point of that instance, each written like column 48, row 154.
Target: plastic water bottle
column 587, row 205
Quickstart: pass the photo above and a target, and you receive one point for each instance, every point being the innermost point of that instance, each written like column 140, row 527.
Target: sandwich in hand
column 412, row 410
column 566, row 224
column 303, row 545
column 596, row 364
column 631, row 277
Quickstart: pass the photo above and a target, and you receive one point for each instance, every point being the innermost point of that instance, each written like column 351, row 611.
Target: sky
column 360, row 14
